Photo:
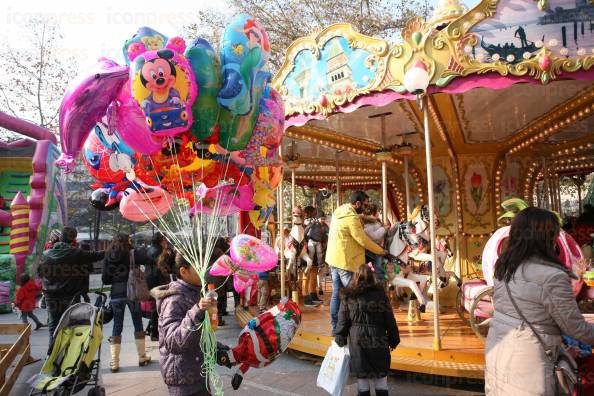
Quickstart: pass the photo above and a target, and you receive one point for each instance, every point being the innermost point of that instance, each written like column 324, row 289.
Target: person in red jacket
column 25, row 300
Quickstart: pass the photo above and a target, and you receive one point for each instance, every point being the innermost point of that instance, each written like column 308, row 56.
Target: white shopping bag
column 334, row 371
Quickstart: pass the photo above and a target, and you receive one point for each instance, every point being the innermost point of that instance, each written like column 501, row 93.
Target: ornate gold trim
column 444, row 52
column 315, row 43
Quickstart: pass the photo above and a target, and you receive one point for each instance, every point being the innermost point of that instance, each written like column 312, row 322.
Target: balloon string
column 182, row 232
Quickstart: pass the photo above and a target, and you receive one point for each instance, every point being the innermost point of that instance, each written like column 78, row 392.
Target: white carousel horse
column 419, row 237
column 399, row 248
column 296, row 246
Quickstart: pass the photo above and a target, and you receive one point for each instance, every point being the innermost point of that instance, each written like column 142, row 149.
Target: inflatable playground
column 32, row 201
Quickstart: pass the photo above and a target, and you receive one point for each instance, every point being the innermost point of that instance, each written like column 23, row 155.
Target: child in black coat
column 367, row 321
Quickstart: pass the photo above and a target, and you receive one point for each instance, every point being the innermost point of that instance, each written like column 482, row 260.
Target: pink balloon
column 224, row 200
column 128, row 120
column 242, row 282
column 252, row 254
column 569, row 250
column 145, row 204
column 223, row 266
column 84, row 103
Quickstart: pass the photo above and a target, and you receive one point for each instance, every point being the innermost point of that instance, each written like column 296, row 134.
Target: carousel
column 464, row 117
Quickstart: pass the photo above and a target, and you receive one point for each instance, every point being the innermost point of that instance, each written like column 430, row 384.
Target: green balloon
column 235, row 131
column 207, row 73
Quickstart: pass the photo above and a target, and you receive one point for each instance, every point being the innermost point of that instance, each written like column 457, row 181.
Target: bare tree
column 36, row 73
column 286, row 21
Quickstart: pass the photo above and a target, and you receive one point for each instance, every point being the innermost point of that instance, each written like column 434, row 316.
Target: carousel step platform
column 461, row 354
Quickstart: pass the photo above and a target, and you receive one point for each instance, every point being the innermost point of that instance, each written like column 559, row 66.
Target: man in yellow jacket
column 347, row 243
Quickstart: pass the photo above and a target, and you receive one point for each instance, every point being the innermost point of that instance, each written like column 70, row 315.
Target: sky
column 99, row 28
column 91, row 29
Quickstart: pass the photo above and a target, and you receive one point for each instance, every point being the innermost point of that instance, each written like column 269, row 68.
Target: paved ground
column 291, row 374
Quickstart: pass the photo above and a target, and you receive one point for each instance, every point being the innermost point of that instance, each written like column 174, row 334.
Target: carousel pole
column 406, row 187
column 556, row 197
column 430, row 197
column 384, row 192
column 281, row 228
column 337, row 179
column 553, row 183
column 546, row 185
column 458, row 268
column 292, row 166
column 383, row 157
column 416, row 81
column 553, row 189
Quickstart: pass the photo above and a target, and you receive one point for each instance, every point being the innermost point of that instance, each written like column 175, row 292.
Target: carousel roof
column 507, row 77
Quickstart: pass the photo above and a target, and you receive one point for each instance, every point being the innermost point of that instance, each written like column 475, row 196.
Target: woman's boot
column 115, row 346
column 143, row 357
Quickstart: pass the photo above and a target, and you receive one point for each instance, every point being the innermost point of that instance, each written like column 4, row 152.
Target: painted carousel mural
column 483, row 105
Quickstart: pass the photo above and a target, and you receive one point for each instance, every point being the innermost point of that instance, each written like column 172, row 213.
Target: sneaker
column 315, row 298
column 39, row 326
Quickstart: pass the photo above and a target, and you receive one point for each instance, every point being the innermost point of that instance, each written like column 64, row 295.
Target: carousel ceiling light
column 416, row 79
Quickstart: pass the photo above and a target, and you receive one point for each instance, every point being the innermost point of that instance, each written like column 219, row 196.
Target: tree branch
column 40, row 77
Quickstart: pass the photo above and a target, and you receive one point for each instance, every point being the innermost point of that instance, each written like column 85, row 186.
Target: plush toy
column 263, row 339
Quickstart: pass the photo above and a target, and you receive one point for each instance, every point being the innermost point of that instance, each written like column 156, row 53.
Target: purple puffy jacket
column 181, row 357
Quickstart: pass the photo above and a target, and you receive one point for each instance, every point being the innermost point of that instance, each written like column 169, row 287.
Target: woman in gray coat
column 540, row 285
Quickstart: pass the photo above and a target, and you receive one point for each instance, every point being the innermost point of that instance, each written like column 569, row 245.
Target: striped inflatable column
column 19, row 231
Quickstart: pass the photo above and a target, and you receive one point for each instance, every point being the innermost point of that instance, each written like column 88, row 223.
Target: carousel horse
column 296, row 246
column 398, row 270
column 418, row 237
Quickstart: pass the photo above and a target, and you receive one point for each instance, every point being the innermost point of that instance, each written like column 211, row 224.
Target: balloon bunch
column 179, row 136
column 246, row 256
column 179, row 122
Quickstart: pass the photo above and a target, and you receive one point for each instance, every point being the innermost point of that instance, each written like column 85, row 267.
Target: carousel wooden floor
column 461, row 354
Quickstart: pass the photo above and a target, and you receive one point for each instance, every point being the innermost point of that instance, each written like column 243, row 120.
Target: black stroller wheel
column 96, row 391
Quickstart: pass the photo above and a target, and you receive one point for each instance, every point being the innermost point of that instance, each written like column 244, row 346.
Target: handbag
column 137, row 288
column 107, row 313
column 566, row 374
column 334, row 371
column 147, row 307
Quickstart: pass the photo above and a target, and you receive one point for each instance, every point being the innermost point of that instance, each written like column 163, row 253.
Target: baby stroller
column 71, row 365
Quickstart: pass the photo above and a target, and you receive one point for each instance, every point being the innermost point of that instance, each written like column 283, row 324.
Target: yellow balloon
column 199, row 164
column 263, row 196
column 255, row 218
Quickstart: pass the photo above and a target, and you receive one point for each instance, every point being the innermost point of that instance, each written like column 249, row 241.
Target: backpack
column 314, row 231
column 137, row 288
